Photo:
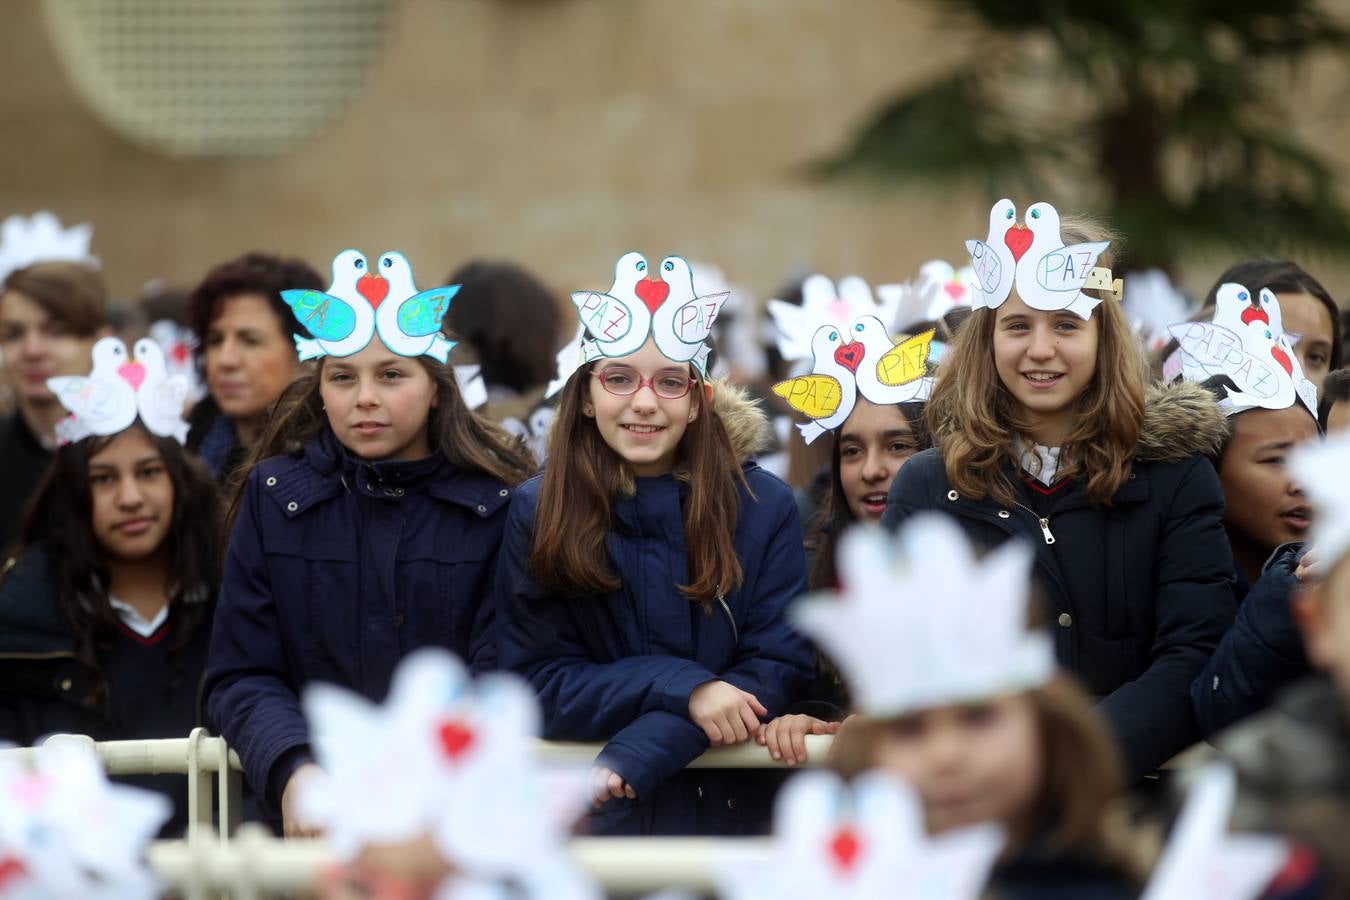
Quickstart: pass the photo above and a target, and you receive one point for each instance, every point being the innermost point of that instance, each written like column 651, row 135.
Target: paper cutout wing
column 1064, row 270
column 324, row 316
column 694, row 319
column 424, row 313
column 105, row 406
column 1209, row 350
column 906, row 361
column 814, row 396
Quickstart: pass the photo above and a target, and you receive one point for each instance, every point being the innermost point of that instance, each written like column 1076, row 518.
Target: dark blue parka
column 1138, row 594
column 337, row 568
column 1260, row 655
column 619, row 668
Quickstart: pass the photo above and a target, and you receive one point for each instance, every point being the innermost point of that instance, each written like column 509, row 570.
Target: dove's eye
column 1242, row 295
column 858, row 328
column 388, row 263
column 1035, row 213
column 834, row 335
column 642, row 267
column 668, row 266
column 1269, row 336
column 360, row 263
column 1008, row 214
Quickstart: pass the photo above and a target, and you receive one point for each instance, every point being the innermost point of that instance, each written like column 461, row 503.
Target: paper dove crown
column 1320, row 470
column 823, row 303
column 453, row 759
column 858, row 360
column 109, row 398
column 864, row 841
column 619, row 320
column 939, row 289
column 1247, row 343
column 40, row 238
column 1049, row 276
column 921, row 622
column 360, row 302
column 66, row 831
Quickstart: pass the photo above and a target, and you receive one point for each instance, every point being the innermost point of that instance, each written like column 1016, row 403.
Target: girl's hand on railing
column 785, row 736
column 606, row 783
column 727, row 714
column 292, row 825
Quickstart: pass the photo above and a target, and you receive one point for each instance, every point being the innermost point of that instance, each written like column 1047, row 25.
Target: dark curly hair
column 252, row 273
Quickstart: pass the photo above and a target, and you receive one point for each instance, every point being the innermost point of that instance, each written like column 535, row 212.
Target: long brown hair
column 1076, row 810
column 971, row 413
column 584, row 476
column 469, row 441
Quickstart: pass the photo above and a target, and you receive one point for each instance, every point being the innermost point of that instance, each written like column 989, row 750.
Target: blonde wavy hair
column 973, row 417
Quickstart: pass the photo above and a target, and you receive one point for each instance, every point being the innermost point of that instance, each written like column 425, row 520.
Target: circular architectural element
column 244, row 78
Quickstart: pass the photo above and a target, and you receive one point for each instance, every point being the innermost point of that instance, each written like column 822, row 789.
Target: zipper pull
column 1045, row 530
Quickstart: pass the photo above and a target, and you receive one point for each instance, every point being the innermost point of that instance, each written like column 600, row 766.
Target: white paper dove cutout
column 823, row 304
column 921, row 622
column 361, row 302
column 1245, row 342
column 452, row 758
column 118, row 389
column 471, row 385
column 66, row 831
column 1321, row 470
column 1202, row 860
column 937, row 290
column 179, row 344
column 864, row 842
column 637, row 306
column 41, row 238
column 1152, row 303
column 738, row 325
column 1049, row 276
column 857, row 360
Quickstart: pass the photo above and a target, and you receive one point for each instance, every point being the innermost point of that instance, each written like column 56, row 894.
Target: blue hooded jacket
column 619, row 668
column 337, row 568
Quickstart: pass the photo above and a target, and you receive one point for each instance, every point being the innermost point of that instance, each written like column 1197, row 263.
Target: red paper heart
column 132, row 373
column 1018, row 238
column 1251, row 314
column 373, row 287
column 456, row 739
column 652, row 293
column 1283, row 359
column 954, row 289
column 180, row 353
column 845, row 847
column 849, row 355
column 12, row 870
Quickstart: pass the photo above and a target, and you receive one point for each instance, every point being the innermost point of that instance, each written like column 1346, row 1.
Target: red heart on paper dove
column 1283, row 359
column 456, row 738
column 12, row 871
column 1251, row 314
column 132, row 373
column 1018, row 238
column 849, row 355
column 652, row 293
column 844, row 847
column 955, row 289
column 373, row 288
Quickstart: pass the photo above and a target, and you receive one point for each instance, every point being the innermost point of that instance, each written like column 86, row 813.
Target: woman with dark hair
column 105, row 614
column 245, row 352
column 1311, row 317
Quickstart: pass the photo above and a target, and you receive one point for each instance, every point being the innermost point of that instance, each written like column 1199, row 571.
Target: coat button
column 1065, row 620
column 399, row 492
column 1003, row 514
column 699, row 791
column 292, row 506
column 482, row 510
column 271, row 481
column 66, row 684
column 953, row 496
column 503, row 493
column 731, row 803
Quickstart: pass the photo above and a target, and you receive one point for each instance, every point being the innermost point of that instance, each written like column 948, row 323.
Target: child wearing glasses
column 643, row 576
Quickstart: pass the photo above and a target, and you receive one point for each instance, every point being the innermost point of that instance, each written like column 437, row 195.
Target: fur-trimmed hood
column 1181, row 420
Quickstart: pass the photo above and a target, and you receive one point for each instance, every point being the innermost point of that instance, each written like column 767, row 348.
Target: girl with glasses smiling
column 643, row 577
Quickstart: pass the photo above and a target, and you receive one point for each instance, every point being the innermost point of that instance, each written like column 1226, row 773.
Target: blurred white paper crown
column 1323, row 471
column 1048, row 275
column 921, row 622
column 118, row 389
column 667, row 308
column 1246, row 342
column 939, row 289
column 451, row 758
column 66, row 831
column 823, row 304
column 865, row 841
column 40, row 238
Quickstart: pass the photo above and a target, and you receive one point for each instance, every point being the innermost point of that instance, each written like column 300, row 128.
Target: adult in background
column 245, row 352
column 51, row 314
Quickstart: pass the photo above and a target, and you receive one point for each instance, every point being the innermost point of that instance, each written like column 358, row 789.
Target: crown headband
column 120, row 388
column 41, row 238
column 860, row 360
column 342, row 320
column 1245, row 342
column 824, row 303
column 636, row 306
column 1032, row 256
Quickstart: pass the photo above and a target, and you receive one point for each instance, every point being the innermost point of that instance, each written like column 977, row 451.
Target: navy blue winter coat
column 619, row 668
column 1260, row 655
column 1138, row 594
column 336, row 569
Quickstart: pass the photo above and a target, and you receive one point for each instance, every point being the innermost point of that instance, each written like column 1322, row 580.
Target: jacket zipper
column 56, row 654
column 1044, row 522
column 735, row 632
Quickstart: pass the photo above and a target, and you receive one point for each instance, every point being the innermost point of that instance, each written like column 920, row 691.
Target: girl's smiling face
column 1046, row 360
column 977, row 762
column 378, row 403
column 874, row 442
column 642, row 427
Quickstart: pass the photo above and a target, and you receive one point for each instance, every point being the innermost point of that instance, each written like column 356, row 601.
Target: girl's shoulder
column 29, row 613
